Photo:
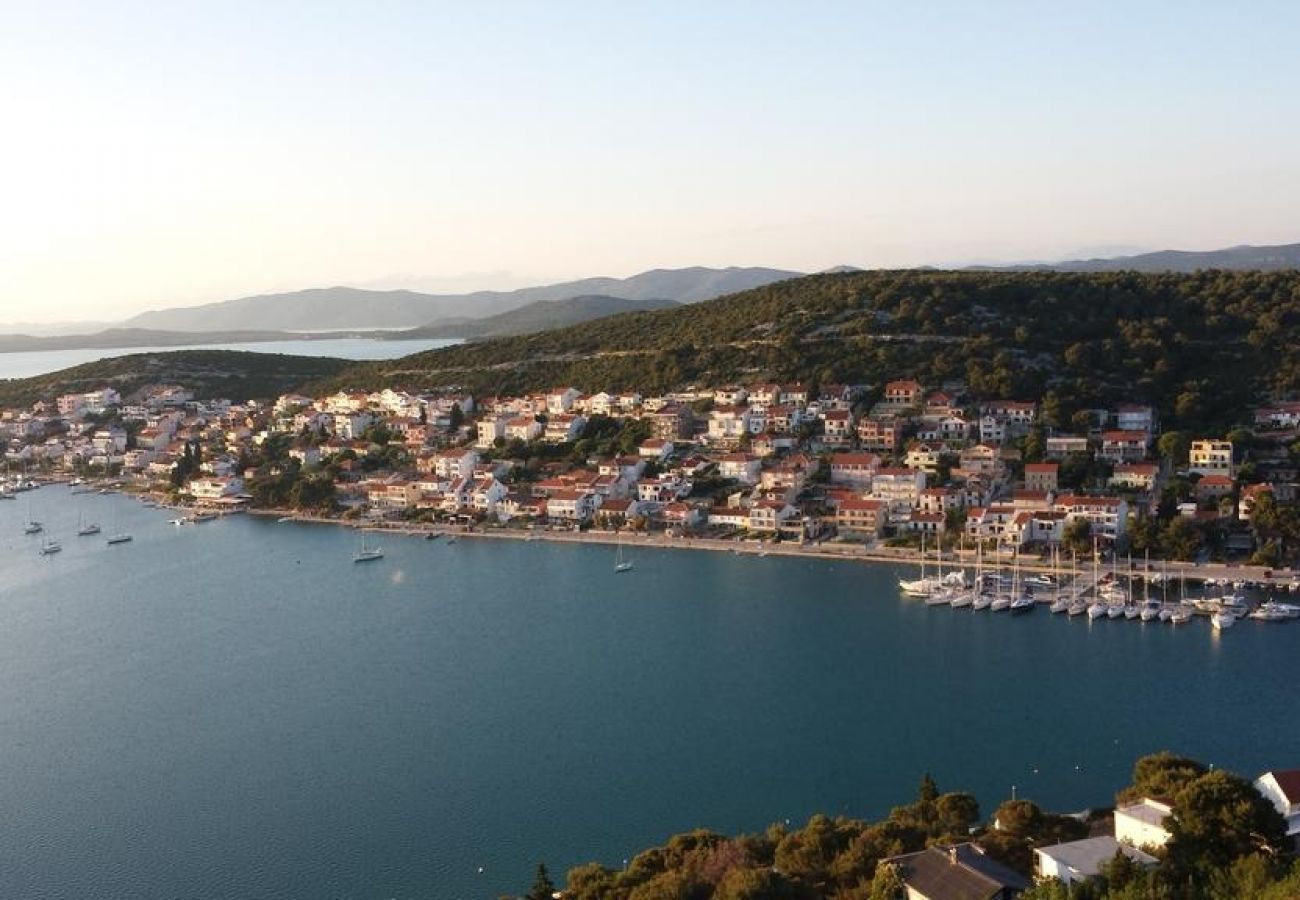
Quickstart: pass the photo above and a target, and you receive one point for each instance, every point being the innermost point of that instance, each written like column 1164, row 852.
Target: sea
column 236, row 709
column 29, row 363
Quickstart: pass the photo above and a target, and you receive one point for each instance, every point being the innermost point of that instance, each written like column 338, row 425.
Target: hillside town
column 782, row 462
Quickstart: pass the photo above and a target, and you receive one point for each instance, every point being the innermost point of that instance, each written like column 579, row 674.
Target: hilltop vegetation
column 1199, row 346
column 235, row 375
column 537, row 316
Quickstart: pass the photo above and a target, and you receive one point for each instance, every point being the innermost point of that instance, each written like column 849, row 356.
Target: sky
column 167, row 154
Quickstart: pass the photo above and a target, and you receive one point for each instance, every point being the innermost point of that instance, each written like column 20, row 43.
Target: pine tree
column 543, row 888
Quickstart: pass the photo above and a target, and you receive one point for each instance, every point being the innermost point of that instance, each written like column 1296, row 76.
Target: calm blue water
column 237, row 710
column 38, row 362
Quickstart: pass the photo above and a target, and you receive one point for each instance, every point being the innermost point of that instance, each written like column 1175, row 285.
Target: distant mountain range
column 537, row 316
column 346, row 311
column 340, row 308
column 1281, row 256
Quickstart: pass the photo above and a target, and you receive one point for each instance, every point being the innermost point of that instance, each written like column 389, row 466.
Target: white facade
column 1142, row 824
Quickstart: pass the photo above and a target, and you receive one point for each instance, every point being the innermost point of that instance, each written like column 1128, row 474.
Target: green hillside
column 1200, row 346
column 230, row 374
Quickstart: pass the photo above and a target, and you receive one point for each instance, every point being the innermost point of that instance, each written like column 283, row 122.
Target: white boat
column 118, row 536
column 939, row 597
column 1286, row 610
column 1060, row 604
column 86, row 529
column 621, row 564
column 50, row 546
column 1022, row 604
column 33, row 527
column 1097, row 610
column 283, row 519
column 922, row 586
column 1001, row 603
column 1269, row 614
column 1222, row 619
column 982, row 601
column 1077, row 607
column 1150, row 611
column 1181, row 616
column 1045, row 581
column 367, row 554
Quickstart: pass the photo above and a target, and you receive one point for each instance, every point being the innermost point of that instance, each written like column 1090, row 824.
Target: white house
column 1142, row 824
column 1078, row 861
column 1282, row 789
column 740, row 466
column 211, row 490
column 487, row 430
column 854, row 470
column 457, row 463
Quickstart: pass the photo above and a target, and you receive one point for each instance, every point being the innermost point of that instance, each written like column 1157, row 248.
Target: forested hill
column 231, row 374
column 1200, row 346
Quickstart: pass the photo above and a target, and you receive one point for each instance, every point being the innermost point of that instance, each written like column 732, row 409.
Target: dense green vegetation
column 1226, row 845
column 1199, row 346
column 231, row 374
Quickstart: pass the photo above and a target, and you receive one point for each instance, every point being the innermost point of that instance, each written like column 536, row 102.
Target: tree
column 1077, row 537
column 1160, row 776
column 1217, row 819
column 1175, row 446
column 455, row 418
column 887, row 884
column 543, row 888
column 955, row 815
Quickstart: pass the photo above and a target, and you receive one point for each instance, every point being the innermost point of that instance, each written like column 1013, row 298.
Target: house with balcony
column 904, row 394
column 1211, row 457
column 883, row 434
column 1124, row 446
column 1062, row 445
column 853, row 470
column 900, row 488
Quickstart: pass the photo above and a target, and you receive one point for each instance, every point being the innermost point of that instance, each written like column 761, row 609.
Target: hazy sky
column 178, row 152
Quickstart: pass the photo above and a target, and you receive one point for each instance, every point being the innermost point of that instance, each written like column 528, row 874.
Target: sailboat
column 32, row 526
column 367, row 554
column 118, row 537
column 621, row 564
column 84, row 528
column 50, row 546
column 920, row 587
column 1061, row 601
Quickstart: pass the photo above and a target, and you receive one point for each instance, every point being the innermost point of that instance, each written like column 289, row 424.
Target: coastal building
column 1142, row 824
column 1123, row 446
column 1041, row 476
column 1135, row 476
column 1211, row 457
column 1281, row 787
column 740, row 467
column 853, row 470
column 1078, row 861
column 903, row 393
column 900, row 488
column 1062, row 445
column 837, row 427
column 215, row 489
column 1135, row 417
column 488, row 430
column 883, row 434
column 861, row 516
column 957, row 872
column 1107, row 515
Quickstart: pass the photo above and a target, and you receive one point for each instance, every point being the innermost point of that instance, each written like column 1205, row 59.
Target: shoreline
column 762, row 548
